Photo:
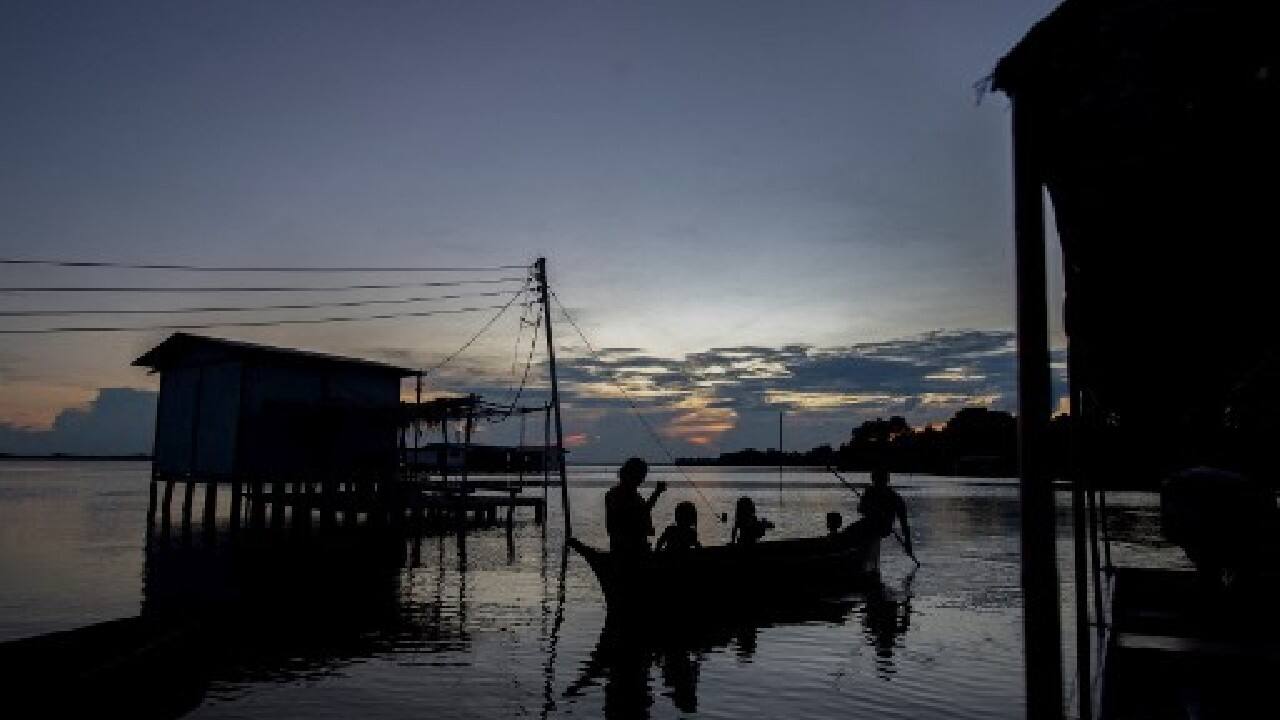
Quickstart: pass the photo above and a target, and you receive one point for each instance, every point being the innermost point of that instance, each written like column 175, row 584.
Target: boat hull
column 726, row 576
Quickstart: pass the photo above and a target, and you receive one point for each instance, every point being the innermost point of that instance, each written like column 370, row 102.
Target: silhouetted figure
column 747, row 528
column 628, row 518
column 834, row 521
column 683, row 535
column 879, row 507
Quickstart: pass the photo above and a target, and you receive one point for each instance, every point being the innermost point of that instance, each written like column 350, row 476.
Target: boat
column 769, row 572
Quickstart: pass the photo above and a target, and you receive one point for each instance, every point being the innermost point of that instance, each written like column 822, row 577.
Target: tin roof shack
column 235, row 409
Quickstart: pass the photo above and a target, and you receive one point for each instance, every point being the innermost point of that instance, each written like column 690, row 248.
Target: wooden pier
column 301, row 505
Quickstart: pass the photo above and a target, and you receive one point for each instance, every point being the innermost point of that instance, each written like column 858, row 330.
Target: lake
column 495, row 625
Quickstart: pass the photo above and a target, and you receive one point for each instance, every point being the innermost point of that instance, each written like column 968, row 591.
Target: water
column 486, row 628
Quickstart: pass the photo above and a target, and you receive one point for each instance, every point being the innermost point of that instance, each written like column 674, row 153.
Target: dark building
column 235, row 409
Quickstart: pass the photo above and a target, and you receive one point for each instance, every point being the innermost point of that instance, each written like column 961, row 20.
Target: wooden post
column 210, row 508
column 350, row 508
column 540, row 267
column 236, row 504
column 466, row 441
column 1042, row 633
column 417, row 424
column 297, row 504
column 277, row 504
column 151, row 505
column 188, row 495
column 164, row 507
column 328, row 502
column 258, row 510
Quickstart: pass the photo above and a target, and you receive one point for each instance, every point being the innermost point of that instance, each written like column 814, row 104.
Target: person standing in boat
column 880, row 506
column 628, row 516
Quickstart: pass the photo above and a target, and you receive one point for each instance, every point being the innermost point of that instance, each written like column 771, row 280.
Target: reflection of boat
column 770, row 572
column 632, row 646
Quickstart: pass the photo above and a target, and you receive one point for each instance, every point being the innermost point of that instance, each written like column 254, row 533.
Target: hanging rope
column 635, row 409
column 483, row 329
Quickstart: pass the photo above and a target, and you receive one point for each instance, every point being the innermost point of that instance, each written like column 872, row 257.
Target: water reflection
column 886, row 618
column 629, row 648
column 273, row 608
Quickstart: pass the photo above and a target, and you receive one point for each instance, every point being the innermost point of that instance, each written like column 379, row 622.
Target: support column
column 164, row 507
column 187, row 502
column 1042, row 632
column 237, row 498
column 210, row 522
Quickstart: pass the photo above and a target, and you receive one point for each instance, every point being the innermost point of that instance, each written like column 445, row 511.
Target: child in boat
column 747, row 528
column 834, row 521
column 683, row 535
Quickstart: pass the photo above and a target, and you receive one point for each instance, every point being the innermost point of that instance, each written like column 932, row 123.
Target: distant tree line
column 974, row 442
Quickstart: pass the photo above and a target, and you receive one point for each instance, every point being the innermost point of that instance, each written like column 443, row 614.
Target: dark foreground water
column 491, row 625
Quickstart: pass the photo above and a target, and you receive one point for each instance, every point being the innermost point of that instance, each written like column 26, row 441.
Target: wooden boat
column 771, row 572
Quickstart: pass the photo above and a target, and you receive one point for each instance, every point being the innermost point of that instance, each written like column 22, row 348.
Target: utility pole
column 540, row 270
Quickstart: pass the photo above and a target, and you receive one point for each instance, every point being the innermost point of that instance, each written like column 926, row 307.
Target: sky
column 748, row 207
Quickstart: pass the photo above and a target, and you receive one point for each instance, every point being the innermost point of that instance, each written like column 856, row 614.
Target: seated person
column 834, row 521
column 683, row 535
column 747, row 528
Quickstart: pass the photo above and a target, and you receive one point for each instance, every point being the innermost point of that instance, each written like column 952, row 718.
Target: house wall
column 317, row 420
column 196, row 420
column 275, row 421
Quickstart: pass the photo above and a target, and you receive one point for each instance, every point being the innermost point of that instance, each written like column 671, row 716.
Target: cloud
column 117, row 421
column 729, row 397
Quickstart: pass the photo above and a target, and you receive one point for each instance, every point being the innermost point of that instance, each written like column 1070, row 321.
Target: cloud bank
column 118, row 421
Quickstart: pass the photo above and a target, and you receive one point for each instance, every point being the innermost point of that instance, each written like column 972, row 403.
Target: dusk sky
column 751, row 207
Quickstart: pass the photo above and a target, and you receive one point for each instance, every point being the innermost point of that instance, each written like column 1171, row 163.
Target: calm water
column 491, row 627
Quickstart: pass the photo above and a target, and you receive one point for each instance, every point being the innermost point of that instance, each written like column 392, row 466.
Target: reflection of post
column 549, row 670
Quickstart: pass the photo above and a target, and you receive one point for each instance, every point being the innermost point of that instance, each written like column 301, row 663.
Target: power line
column 313, row 288
column 635, row 409
column 191, row 310
column 483, row 329
column 232, row 268
column 528, row 363
column 257, row 323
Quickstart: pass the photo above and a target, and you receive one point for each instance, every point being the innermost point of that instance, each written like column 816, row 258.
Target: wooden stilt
column 188, row 495
column 297, row 504
column 350, row 509
column 236, row 507
column 328, row 502
column 210, row 522
column 164, row 506
column 277, row 504
column 151, row 505
column 258, row 510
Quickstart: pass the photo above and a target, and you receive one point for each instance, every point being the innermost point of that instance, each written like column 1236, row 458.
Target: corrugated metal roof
column 181, row 346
